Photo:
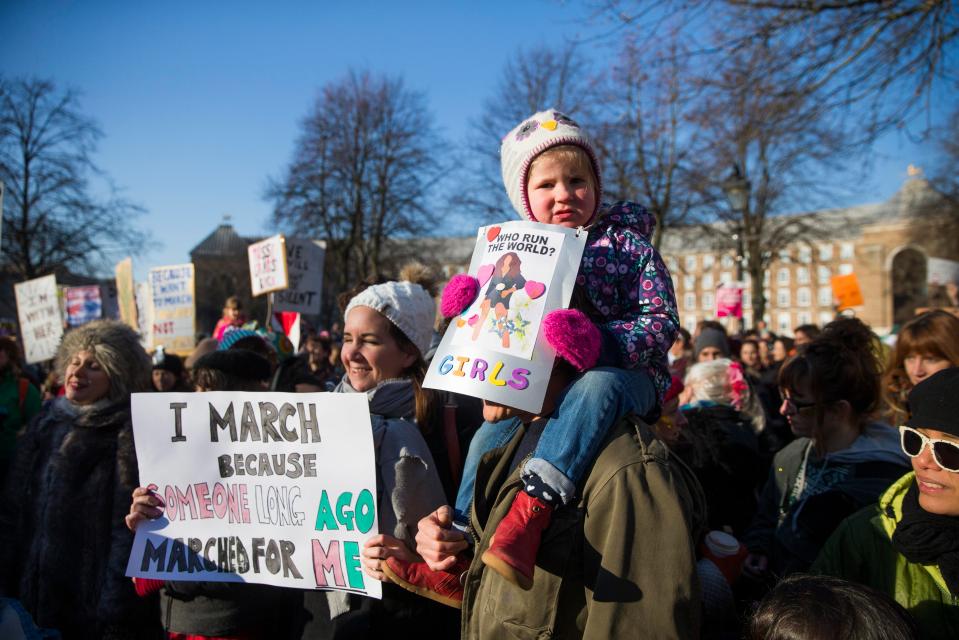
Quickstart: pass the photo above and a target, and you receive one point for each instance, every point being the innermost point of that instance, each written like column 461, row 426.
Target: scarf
column 390, row 398
column 928, row 538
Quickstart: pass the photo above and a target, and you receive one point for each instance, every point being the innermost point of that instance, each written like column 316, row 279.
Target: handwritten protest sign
column 729, row 300
column 126, row 293
column 84, row 304
column 271, row 488
column 304, row 264
column 40, row 322
column 173, row 315
column 268, row 265
column 494, row 349
column 845, row 289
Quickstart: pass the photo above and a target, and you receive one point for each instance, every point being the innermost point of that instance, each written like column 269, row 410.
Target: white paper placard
column 304, row 265
column 494, row 349
column 173, row 309
column 41, row 324
column 267, row 488
column 268, row 265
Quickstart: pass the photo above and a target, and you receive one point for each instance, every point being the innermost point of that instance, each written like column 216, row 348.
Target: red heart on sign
column 491, row 233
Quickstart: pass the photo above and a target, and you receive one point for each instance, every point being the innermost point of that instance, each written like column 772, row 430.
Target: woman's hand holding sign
column 146, row 505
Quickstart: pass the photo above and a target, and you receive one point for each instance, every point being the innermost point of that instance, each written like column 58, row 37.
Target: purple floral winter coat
column 624, row 278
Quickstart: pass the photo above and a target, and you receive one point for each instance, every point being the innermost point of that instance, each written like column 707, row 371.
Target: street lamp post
column 737, row 189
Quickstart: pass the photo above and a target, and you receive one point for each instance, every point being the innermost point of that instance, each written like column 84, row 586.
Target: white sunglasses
column 945, row 452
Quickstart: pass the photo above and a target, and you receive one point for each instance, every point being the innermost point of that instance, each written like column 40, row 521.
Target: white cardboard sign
column 304, row 264
column 41, row 324
column 267, row 488
column 268, row 265
column 494, row 349
column 173, row 310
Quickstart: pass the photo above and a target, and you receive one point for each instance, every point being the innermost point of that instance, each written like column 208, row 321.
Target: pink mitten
column 574, row 336
column 459, row 294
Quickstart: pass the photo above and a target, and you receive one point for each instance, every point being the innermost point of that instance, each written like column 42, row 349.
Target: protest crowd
column 677, row 482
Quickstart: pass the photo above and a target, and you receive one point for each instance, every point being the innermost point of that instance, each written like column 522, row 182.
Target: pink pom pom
column 458, row 295
column 574, row 337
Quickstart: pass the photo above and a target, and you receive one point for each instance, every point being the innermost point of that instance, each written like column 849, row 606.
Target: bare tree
column 363, row 168
column 52, row 220
column 532, row 80
column 645, row 138
column 784, row 145
column 884, row 58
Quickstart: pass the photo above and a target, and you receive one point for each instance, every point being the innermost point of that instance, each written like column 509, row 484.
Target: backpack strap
column 452, row 440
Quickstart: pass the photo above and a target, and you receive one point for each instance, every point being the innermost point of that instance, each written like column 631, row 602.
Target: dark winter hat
column 711, row 338
column 238, row 363
column 168, row 362
column 934, row 402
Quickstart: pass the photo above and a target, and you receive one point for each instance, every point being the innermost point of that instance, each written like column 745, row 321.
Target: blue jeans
column 584, row 414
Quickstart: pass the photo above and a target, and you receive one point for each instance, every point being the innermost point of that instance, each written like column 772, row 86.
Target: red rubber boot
column 445, row 587
column 514, row 545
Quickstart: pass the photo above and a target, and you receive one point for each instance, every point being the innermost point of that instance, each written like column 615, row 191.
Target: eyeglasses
column 945, row 452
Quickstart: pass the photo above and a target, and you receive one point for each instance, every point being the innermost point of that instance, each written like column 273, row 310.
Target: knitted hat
column 711, row 338
column 233, row 335
column 405, row 304
column 238, row 363
column 934, row 402
column 532, row 137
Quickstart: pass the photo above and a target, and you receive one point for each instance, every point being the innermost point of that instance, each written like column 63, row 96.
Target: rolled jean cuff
column 552, row 477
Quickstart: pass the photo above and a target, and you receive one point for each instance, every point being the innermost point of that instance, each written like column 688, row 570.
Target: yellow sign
column 126, row 293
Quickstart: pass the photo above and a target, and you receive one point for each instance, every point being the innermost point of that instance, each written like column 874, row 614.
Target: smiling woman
column 907, row 545
column 387, row 328
column 63, row 545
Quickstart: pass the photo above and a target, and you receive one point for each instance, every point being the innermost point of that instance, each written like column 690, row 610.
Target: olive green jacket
column 620, row 563
column 861, row 550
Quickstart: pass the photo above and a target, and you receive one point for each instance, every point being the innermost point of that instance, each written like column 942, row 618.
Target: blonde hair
column 568, row 155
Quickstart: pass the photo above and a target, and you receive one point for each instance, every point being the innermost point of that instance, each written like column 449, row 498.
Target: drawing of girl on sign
column 506, row 280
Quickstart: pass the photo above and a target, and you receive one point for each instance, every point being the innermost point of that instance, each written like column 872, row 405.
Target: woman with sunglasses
column 907, row 545
column 841, row 460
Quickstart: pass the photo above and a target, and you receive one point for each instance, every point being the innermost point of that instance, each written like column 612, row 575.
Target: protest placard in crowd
column 846, row 291
column 729, row 300
column 126, row 293
column 304, row 264
column 173, row 312
column 268, row 265
column 494, row 349
column 84, row 304
column 41, row 324
column 268, row 488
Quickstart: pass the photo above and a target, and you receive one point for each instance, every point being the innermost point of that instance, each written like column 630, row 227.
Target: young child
column 626, row 320
column 232, row 317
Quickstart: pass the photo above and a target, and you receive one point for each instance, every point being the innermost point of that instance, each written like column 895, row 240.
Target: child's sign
column 494, row 349
column 84, row 304
column 268, row 265
column 173, row 313
column 304, row 264
column 269, row 488
column 38, row 309
column 845, row 289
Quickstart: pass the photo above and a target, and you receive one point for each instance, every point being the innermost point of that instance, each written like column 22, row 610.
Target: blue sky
column 200, row 101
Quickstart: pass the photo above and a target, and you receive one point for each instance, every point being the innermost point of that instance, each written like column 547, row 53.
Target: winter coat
column 618, row 563
column 861, row 550
column 630, row 292
column 720, row 446
column 14, row 414
column 806, row 497
column 408, row 489
column 63, row 543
